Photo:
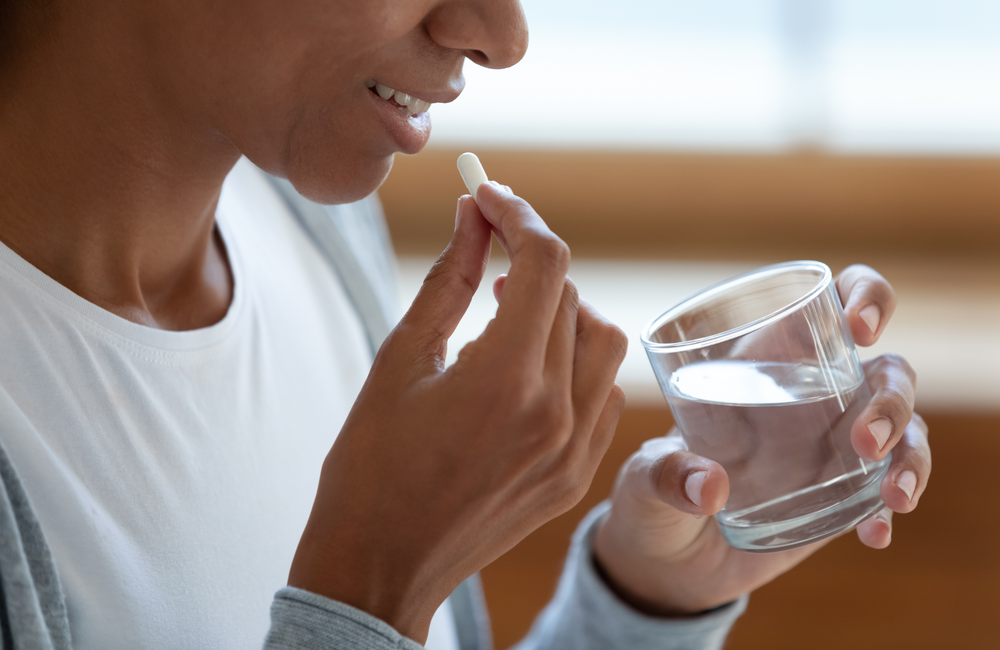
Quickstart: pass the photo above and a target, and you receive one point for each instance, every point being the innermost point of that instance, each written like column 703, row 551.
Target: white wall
column 886, row 76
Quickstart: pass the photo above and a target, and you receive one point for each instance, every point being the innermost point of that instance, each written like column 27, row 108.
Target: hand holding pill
column 438, row 471
column 472, row 172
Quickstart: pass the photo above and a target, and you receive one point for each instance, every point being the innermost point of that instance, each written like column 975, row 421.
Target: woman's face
column 290, row 83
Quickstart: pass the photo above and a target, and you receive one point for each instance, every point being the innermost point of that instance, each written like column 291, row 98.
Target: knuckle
column 923, row 460
column 855, row 272
column 393, row 340
column 617, row 341
column 919, row 462
column 405, row 336
column 562, row 501
column 661, row 473
column 553, row 426
column 552, row 251
column 883, row 361
column 895, row 405
column 878, row 287
column 415, row 339
column 658, row 473
column 609, row 338
column 569, row 488
column 898, row 362
column 886, row 294
column 577, row 491
column 863, row 280
column 874, row 365
column 468, row 355
column 560, row 424
column 617, row 399
column 571, row 293
column 516, row 395
column 910, row 371
column 917, row 446
column 438, row 270
column 516, row 205
column 447, row 272
column 892, row 359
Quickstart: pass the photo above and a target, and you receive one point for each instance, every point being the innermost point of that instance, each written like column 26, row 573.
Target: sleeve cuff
column 301, row 620
column 586, row 613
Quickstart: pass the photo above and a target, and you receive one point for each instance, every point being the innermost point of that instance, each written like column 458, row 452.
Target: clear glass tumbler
column 762, row 377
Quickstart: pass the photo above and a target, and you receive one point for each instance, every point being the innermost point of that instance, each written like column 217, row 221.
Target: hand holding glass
column 762, row 377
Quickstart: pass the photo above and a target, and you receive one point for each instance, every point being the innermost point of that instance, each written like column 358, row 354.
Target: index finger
column 869, row 301
column 539, row 261
column 881, row 424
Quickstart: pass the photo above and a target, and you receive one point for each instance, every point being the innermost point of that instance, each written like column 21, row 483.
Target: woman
column 181, row 349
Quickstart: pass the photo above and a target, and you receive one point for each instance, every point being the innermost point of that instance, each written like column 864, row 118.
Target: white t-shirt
column 173, row 472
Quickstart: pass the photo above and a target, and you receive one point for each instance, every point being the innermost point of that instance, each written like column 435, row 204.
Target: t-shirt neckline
column 74, row 306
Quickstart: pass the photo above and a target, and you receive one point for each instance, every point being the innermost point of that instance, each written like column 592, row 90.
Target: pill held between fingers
column 472, row 172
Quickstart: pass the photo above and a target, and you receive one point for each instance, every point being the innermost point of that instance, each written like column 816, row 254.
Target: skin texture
column 143, row 108
column 518, row 426
column 119, row 121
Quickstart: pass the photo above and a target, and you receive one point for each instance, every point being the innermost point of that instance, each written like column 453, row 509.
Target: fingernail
column 871, row 315
column 880, row 429
column 693, row 485
column 885, row 520
column 907, row 482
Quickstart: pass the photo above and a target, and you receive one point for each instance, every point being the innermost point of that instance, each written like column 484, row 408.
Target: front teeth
column 412, row 104
column 418, row 106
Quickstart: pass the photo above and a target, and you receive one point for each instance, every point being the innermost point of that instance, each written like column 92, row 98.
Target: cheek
column 321, row 134
column 294, row 101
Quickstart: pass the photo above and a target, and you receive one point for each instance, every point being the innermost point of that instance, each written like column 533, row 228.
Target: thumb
column 448, row 288
column 686, row 482
column 663, row 496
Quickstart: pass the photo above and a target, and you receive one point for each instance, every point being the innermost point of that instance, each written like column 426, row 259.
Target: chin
column 335, row 182
column 324, row 172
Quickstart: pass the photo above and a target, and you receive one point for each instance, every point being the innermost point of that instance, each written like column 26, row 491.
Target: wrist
column 357, row 576
column 651, row 585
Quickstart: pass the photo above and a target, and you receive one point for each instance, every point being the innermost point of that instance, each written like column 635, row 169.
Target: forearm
column 586, row 615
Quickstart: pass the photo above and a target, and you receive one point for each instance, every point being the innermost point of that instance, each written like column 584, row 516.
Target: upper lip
column 440, row 95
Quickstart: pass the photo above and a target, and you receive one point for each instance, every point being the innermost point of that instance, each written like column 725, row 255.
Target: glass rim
column 826, row 276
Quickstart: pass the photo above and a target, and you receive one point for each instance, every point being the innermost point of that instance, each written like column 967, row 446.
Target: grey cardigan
column 583, row 615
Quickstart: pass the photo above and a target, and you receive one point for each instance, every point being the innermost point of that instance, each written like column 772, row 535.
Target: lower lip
column 410, row 132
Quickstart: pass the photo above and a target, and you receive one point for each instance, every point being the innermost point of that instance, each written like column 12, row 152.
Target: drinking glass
column 762, row 376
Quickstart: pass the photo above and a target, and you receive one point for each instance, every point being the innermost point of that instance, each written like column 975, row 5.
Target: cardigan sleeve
column 586, row 615
column 301, row 620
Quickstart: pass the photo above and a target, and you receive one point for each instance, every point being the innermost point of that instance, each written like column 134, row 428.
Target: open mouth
column 397, row 98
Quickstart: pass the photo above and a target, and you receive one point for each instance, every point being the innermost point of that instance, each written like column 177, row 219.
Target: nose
column 492, row 33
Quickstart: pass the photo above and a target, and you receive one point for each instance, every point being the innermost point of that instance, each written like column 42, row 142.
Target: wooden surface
column 937, row 586
column 710, row 206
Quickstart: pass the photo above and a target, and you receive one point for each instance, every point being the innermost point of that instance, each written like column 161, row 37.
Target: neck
column 105, row 185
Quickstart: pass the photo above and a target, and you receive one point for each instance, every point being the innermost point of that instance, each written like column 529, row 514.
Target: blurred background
column 673, row 144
